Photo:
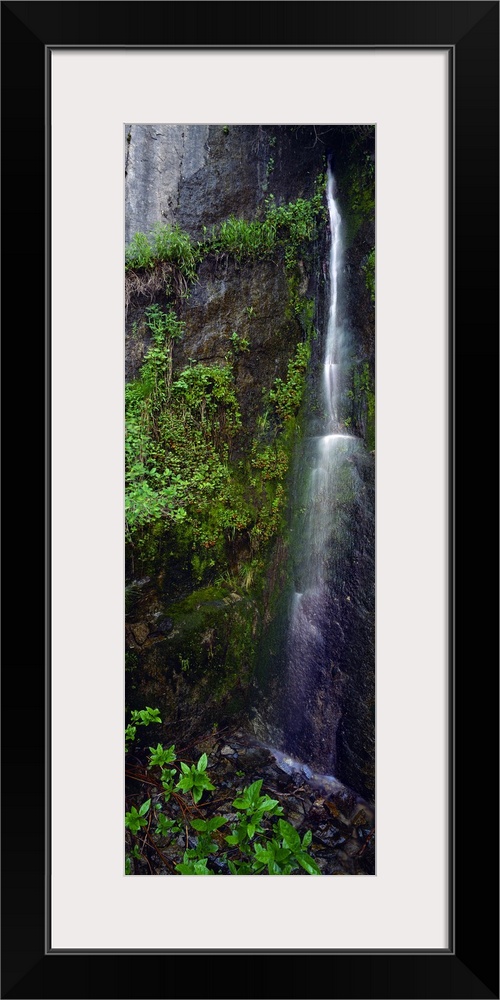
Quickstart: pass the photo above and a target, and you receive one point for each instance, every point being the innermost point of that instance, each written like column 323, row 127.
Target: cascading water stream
column 312, row 710
column 332, row 347
column 315, row 693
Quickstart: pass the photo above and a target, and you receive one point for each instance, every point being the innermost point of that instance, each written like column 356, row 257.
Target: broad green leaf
column 232, row 839
column 282, row 854
column 197, row 793
column 216, row 822
column 264, row 856
column 307, row 838
column 241, row 803
column 199, row 824
column 185, row 767
column 308, row 863
column 258, row 847
column 250, row 830
column 289, row 835
column 200, row 867
column 257, row 866
column 184, row 784
column 244, row 869
column 253, row 790
column 203, row 781
column 202, row 763
column 266, row 803
column 144, row 808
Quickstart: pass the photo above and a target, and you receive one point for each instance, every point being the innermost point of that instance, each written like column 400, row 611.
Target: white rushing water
column 332, row 361
column 312, row 712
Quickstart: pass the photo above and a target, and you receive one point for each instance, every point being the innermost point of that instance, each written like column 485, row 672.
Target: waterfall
column 332, row 352
column 323, row 549
column 315, row 696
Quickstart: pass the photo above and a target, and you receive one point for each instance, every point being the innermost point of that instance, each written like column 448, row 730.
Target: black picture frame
column 469, row 969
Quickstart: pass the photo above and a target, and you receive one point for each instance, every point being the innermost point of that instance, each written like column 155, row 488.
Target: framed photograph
column 79, row 83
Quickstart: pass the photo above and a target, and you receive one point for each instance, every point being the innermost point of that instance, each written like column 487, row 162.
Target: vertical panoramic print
column 249, row 399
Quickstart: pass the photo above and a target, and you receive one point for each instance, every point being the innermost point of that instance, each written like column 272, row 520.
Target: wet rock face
column 199, row 175
column 250, row 301
column 196, row 176
column 189, row 657
column 358, row 303
column 157, row 158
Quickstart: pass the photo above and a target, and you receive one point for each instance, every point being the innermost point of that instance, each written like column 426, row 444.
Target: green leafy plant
column 166, row 243
column 166, row 827
column 260, row 841
column 135, row 819
column 287, row 395
column 195, row 779
column 239, row 344
column 280, row 850
column 253, row 805
column 159, row 756
column 168, row 779
column 144, row 717
column 193, row 867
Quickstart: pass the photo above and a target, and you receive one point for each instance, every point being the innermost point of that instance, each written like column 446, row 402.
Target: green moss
column 212, row 642
column 370, row 420
column 199, row 599
column 369, row 269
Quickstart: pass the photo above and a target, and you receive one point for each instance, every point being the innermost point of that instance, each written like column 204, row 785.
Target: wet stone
column 139, row 633
column 352, row 847
column 162, row 626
